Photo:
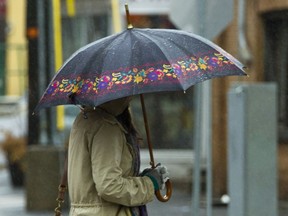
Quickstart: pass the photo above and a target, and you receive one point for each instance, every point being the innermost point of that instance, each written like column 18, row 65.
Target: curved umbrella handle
column 167, row 196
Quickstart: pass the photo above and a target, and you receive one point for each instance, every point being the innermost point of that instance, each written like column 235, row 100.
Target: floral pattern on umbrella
column 110, row 82
column 137, row 61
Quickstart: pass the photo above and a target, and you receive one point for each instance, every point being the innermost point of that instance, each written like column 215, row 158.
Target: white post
column 252, row 147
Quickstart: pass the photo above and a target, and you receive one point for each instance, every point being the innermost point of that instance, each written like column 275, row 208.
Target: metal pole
column 42, row 61
column 58, row 54
column 206, row 108
column 116, row 17
column 206, row 133
column 203, row 127
column 33, row 78
column 197, row 150
column 52, row 136
column 2, row 45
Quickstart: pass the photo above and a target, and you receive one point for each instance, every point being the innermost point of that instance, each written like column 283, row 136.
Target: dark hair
column 126, row 121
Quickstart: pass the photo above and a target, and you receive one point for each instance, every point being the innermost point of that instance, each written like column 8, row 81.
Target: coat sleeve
column 106, row 153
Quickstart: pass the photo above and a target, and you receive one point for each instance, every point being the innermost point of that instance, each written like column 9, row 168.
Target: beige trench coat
column 100, row 171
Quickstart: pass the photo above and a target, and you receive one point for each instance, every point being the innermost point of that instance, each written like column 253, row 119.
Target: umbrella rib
column 186, row 51
column 209, row 43
column 162, row 51
column 216, row 47
column 106, row 47
column 80, row 50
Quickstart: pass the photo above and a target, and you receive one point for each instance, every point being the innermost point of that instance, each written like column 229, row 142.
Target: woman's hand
column 159, row 176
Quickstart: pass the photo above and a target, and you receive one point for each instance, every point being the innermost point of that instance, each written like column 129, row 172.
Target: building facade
column 266, row 24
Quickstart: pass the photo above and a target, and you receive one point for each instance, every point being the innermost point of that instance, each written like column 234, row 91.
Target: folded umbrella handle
column 167, row 196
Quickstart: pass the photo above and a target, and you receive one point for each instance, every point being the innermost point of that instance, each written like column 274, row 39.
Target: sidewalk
column 13, row 201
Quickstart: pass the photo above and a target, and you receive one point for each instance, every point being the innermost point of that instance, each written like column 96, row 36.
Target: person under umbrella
column 132, row 62
column 104, row 162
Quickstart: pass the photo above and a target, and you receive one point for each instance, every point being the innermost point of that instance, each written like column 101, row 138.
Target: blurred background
column 223, row 140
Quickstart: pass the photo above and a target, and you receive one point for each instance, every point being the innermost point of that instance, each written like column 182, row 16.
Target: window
column 276, row 63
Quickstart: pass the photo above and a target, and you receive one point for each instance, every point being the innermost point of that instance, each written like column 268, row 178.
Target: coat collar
column 108, row 117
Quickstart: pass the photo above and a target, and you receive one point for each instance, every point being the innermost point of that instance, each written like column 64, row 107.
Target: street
column 12, row 201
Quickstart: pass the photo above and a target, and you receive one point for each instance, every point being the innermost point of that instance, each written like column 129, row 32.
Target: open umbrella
column 137, row 61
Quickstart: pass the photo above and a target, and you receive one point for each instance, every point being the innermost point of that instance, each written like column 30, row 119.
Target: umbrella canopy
column 137, row 61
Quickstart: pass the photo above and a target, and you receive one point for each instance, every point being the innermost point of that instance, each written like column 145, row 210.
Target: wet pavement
column 13, row 201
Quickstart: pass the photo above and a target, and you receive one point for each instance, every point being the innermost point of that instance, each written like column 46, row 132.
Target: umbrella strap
column 62, row 189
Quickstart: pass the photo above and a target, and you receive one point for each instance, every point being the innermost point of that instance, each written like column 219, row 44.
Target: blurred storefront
column 265, row 31
column 2, row 43
column 13, row 66
column 265, row 55
column 274, row 60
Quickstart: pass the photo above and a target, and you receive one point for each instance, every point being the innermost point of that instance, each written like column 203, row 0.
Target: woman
column 103, row 164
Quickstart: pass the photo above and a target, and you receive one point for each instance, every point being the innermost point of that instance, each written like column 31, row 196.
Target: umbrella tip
column 129, row 24
column 245, row 68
